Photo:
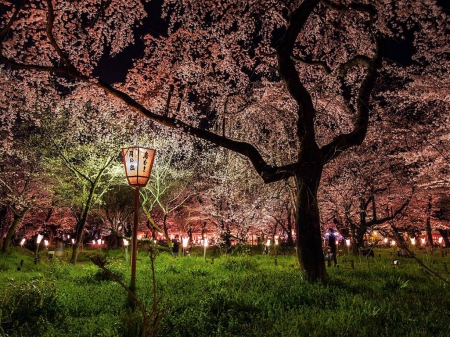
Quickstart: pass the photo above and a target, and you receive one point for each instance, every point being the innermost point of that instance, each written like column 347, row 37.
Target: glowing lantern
column 138, row 162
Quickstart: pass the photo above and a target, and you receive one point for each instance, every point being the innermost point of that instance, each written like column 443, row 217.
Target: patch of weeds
column 29, row 305
column 395, row 284
column 240, row 264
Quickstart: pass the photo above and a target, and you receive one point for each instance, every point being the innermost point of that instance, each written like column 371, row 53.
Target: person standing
column 175, row 246
column 332, row 245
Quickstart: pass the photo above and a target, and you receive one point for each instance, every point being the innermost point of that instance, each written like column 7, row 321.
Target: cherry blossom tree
column 23, row 181
column 323, row 57
column 83, row 145
column 116, row 209
column 172, row 182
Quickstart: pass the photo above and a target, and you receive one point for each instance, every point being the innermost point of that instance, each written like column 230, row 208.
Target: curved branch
column 267, row 172
column 49, row 31
column 360, row 60
column 357, row 135
column 35, row 67
column 369, row 9
column 393, row 215
column 322, row 64
column 290, row 75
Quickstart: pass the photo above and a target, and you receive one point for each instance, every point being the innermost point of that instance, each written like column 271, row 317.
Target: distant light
column 347, row 242
column 46, row 243
column 22, row 242
column 413, row 241
column 126, row 243
column 393, row 243
column 205, row 242
column 185, row 242
column 39, row 238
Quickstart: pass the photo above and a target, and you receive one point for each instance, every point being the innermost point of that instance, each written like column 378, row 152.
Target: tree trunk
column 444, row 234
column 307, row 223
column 81, row 223
column 355, row 239
column 12, row 230
column 428, row 224
column 3, row 213
column 78, row 240
column 290, row 239
column 165, row 228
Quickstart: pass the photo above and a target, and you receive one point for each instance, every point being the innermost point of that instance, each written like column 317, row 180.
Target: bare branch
column 49, row 31
column 357, row 135
column 322, row 64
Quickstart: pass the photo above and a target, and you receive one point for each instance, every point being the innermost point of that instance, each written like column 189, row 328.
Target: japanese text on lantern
column 145, row 161
column 131, row 158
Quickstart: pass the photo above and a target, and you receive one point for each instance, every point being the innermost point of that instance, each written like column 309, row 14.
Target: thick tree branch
column 322, row 64
column 268, row 173
column 393, row 215
column 356, row 137
column 290, row 75
column 49, row 31
column 369, row 9
column 361, row 60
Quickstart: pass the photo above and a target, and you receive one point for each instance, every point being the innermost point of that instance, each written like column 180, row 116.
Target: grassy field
column 239, row 295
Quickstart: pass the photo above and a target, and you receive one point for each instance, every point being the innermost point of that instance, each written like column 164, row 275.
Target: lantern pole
column 134, row 239
column 138, row 162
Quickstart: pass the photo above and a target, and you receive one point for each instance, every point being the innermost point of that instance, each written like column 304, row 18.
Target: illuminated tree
column 24, row 184
column 321, row 58
column 172, row 182
column 116, row 209
column 83, row 143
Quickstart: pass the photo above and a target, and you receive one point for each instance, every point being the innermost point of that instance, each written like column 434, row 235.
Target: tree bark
column 81, row 223
column 428, row 224
column 3, row 225
column 307, row 223
column 444, row 234
column 17, row 220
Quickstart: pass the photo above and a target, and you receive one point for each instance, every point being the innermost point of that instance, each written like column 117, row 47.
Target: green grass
column 238, row 295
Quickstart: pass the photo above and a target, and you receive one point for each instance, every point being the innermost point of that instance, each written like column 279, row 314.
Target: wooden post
column 134, row 240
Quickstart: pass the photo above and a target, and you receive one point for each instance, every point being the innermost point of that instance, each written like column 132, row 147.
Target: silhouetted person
column 175, row 246
column 332, row 245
